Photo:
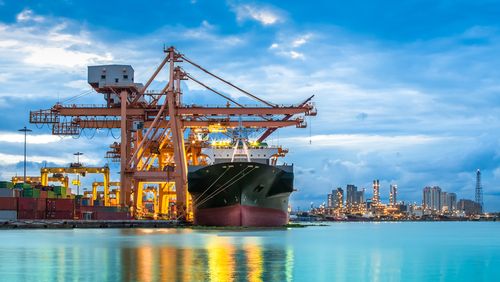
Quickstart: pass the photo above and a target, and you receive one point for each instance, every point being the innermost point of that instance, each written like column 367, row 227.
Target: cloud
column 28, row 15
column 8, row 159
column 55, row 56
column 78, row 84
column 264, row 15
column 362, row 141
column 301, row 40
column 290, row 47
column 207, row 32
column 10, row 137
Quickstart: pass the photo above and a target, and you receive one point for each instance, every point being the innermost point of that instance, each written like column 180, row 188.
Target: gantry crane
column 78, row 169
column 159, row 133
column 106, row 192
column 64, row 180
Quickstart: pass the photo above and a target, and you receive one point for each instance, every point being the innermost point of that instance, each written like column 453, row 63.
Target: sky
column 407, row 92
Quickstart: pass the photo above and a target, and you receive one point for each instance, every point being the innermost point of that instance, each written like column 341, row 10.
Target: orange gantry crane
column 160, row 135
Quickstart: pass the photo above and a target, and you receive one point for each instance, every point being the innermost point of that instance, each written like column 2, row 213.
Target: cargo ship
column 242, row 186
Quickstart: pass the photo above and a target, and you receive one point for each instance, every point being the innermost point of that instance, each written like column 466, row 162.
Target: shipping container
column 43, row 195
column 8, row 203
column 60, row 205
column 60, row 215
column 30, row 214
column 22, row 185
column 86, row 202
column 31, row 204
column 100, row 215
column 99, row 203
column 31, row 193
column 86, row 215
column 6, row 184
column 60, row 191
column 8, row 215
column 6, row 192
column 17, row 193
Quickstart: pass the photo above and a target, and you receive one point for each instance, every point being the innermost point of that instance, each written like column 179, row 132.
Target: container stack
column 31, row 208
column 60, row 192
column 60, row 209
column 104, row 213
column 8, row 208
column 8, row 202
column 31, row 193
column 27, row 202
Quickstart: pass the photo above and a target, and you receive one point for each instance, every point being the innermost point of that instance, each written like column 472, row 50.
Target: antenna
column 479, row 191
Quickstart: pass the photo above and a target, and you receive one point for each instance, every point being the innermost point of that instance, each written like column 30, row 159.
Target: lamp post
column 78, row 154
column 25, row 130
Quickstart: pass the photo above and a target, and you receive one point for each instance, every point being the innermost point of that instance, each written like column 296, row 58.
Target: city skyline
column 436, row 199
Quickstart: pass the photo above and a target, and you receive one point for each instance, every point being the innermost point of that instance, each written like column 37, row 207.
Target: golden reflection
column 209, row 258
column 168, row 263
column 221, row 261
column 188, row 265
column 144, row 263
column 254, row 257
column 289, row 264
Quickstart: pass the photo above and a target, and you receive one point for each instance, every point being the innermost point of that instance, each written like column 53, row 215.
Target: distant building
column 452, row 202
column 444, row 203
column 360, row 196
column 329, row 201
column 338, row 199
column 350, row 195
column 354, row 198
column 469, row 207
column 431, row 199
column 376, row 193
column 393, row 194
column 448, row 202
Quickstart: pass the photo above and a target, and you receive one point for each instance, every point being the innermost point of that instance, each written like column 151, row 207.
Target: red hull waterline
column 238, row 215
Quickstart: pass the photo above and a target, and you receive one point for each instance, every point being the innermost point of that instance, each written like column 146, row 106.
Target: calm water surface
column 419, row 251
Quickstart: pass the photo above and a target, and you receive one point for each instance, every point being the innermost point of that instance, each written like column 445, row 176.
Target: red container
column 41, row 205
column 30, row 214
column 60, row 205
column 60, row 215
column 43, row 194
column 27, row 204
column 31, row 204
column 111, row 215
column 8, row 203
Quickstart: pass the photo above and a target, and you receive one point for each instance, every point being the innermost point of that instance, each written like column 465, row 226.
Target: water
column 410, row 251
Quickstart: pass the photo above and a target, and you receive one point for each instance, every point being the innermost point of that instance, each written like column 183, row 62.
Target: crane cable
column 77, row 96
column 199, row 202
column 225, row 186
column 227, row 82
column 216, row 92
column 213, row 183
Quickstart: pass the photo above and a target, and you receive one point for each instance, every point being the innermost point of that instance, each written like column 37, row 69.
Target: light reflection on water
column 341, row 252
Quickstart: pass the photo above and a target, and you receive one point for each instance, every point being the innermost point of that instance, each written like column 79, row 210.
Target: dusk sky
column 407, row 92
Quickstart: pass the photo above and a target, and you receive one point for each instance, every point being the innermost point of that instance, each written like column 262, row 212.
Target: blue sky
column 407, row 91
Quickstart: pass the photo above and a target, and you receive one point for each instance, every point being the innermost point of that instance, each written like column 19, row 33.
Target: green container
column 22, row 186
column 6, row 184
column 31, row 193
column 51, row 194
column 60, row 191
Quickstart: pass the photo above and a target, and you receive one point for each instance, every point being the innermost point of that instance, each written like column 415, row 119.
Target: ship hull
column 238, row 215
column 241, row 194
